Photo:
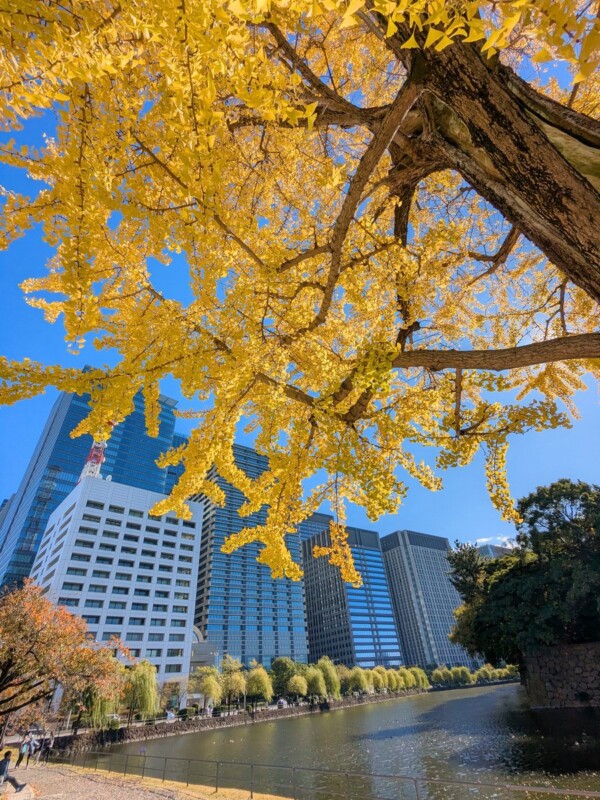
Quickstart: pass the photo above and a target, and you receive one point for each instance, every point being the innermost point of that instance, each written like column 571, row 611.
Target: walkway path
column 66, row 783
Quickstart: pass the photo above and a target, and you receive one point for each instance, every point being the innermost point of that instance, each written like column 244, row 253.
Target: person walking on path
column 24, row 750
column 4, row 776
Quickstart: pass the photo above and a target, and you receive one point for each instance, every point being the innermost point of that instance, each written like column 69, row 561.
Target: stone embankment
column 564, row 676
column 92, row 740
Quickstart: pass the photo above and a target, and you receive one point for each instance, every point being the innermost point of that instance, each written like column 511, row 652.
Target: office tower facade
column 353, row 626
column 128, row 573
column 55, row 467
column 240, row 609
column 493, row 551
column 423, row 598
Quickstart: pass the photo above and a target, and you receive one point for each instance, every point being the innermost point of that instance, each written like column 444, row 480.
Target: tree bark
column 490, row 138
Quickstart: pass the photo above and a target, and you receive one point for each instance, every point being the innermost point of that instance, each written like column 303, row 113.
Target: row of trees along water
column 294, row 681
column 461, row 676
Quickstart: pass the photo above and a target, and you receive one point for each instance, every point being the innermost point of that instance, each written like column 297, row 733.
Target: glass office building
column 353, row 626
column 424, row 599
column 240, row 609
column 56, row 465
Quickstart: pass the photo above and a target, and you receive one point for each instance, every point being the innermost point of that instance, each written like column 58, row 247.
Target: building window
column 173, row 652
column 110, row 635
column 100, row 573
column 117, row 604
column 176, row 637
column 178, row 623
column 80, row 557
column 91, row 620
column 153, row 652
column 114, row 620
column 116, row 509
column 94, row 504
column 137, row 621
column 141, row 593
column 120, row 590
column 173, row 668
column 134, row 513
column 157, row 623
column 83, row 543
column 159, row 607
column 97, row 587
column 103, row 560
column 69, row 586
column 94, row 603
column 123, row 576
column 67, row 601
column 134, row 637
column 76, row 571
column 156, row 637
column 139, row 606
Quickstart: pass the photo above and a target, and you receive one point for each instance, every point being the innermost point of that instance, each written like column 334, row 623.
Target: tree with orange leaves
column 43, row 646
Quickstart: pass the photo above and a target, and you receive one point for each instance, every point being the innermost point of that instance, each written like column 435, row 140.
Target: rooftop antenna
column 94, row 461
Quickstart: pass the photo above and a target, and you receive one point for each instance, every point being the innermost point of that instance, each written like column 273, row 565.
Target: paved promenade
column 65, row 783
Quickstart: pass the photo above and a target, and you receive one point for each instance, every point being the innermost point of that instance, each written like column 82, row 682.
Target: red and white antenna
column 94, row 461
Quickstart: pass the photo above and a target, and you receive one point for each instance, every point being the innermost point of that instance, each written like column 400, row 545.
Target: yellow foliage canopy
column 357, row 277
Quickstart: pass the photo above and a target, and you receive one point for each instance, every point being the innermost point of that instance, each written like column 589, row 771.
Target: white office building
column 128, row 573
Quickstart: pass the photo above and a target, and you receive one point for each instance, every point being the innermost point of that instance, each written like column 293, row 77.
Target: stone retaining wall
column 564, row 676
column 92, row 740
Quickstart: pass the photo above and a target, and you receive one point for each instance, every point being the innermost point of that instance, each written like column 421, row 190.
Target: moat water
column 481, row 735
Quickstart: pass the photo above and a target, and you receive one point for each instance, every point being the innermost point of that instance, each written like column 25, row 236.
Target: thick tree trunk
column 505, row 155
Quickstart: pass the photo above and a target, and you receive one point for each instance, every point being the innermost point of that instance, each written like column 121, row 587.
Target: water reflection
column 484, row 734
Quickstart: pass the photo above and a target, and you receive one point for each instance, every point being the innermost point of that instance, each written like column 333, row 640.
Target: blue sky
column 462, row 510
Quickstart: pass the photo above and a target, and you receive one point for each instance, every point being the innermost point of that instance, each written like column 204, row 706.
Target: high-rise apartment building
column 240, row 609
column 129, row 574
column 55, row 467
column 353, row 626
column 423, row 598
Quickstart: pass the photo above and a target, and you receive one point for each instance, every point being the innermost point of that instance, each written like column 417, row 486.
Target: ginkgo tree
column 387, row 211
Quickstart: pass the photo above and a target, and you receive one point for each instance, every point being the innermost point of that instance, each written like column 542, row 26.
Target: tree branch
column 565, row 348
column 499, row 257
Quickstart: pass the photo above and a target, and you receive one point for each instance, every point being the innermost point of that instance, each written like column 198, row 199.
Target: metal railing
column 305, row 783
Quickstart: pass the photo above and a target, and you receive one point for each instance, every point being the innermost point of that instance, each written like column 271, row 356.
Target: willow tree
column 387, row 220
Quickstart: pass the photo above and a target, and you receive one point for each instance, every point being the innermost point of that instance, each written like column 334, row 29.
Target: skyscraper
column 240, row 609
column 353, row 626
column 129, row 574
column 493, row 551
column 55, row 467
column 423, row 598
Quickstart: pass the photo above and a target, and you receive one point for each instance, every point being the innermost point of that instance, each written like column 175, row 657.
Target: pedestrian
column 47, row 746
column 40, row 749
column 34, row 746
column 24, row 749
column 4, row 776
